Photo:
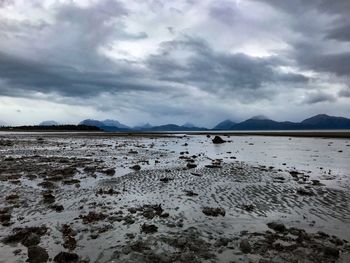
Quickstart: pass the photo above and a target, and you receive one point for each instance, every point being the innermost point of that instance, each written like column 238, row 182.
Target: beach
column 105, row 197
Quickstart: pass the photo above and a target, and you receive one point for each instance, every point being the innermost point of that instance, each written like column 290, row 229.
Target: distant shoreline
column 301, row 133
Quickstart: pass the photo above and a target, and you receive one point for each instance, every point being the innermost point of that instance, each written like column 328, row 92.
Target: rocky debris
column 92, row 217
column 139, row 246
column 151, row 211
column 248, row 208
column 190, row 193
column 65, row 257
column 165, row 179
column 295, row 173
column 307, row 247
column 191, row 165
column 109, row 172
column 222, row 242
column 12, row 198
column 6, row 143
column 32, row 239
column 47, row 185
column 110, row 191
column 136, row 167
column 48, row 197
column 306, row 192
column 213, row 166
column 57, row 207
column 210, row 211
column 278, row 227
column 22, row 234
column 193, row 248
column 331, row 251
column 148, row 229
column 316, row 182
column 218, row 140
column 245, row 247
column 71, row 181
column 37, row 254
column 5, row 216
column 69, row 237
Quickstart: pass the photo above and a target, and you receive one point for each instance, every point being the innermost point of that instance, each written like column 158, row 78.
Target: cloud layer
column 173, row 61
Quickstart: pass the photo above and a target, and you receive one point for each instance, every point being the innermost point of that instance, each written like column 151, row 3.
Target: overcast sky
column 163, row 61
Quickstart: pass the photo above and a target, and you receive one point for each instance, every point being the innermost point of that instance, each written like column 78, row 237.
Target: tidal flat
column 80, row 197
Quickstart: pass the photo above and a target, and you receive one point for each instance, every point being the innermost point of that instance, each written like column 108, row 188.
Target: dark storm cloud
column 340, row 32
column 318, row 22
column 171, row 58
column 218, row 72
column 319, row 97
column 27, row 75
column 316, row 58
column 296, row 6
column 345, row 93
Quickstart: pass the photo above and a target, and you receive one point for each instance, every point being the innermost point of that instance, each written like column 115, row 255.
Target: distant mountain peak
column 114, row 123
column 188, row 125
column 259, row 117
column 224, row 125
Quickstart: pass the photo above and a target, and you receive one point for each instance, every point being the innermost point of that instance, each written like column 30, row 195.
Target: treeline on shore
column 65, row 127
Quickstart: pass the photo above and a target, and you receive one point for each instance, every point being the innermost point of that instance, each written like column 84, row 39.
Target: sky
column 160, row 61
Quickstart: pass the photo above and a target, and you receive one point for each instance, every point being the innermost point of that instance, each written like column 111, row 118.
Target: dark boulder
column 37, row 255
column 65, row 257
column 218, row 140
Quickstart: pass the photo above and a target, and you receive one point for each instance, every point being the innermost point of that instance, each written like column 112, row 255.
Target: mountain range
column 318, row 122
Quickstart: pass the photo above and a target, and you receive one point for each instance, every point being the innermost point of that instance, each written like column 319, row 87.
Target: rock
column 331, row 251
column 190, row 193
column 110, row 191
column 165, row 179
column 248, row 208
column 5, row 216
column 213, row 166
column 303, row 191
column 21, row 234
column 65, row 257
column 92, row 217
column 48, row 197
column 218, row 140
column 245, row 246
column 222, row 242
column 210, row 211
column 47, row 184
column 37, row 254
column 109, row 172
column 57, row 208
column 71, row 181
column 279, row 227
column 164, row 215
column 12, row 197
column 148, row 229
column 136, row 167
column 191, row 165
column 31, row 240
column 17, row 252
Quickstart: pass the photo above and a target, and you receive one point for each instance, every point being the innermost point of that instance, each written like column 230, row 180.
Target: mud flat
column 181, row 198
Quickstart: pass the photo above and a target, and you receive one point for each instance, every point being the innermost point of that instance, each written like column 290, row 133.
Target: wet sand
column 173, row 198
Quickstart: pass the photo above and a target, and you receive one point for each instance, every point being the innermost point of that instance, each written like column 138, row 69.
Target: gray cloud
column 345, row 93
column 319, row 97
column 218, row 72
column 158, row 59
column 340, row 32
